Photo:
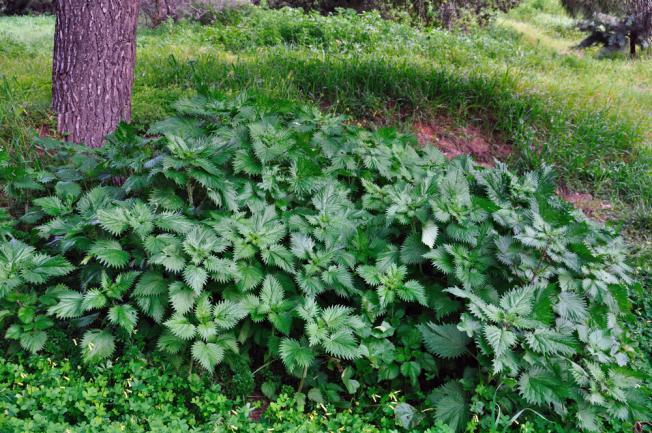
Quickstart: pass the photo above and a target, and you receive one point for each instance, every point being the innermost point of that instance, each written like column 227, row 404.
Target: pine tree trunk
column 93, row 67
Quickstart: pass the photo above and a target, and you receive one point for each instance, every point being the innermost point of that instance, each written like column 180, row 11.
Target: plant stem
column 303, row 378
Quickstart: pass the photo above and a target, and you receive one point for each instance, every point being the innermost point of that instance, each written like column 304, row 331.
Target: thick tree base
column 93, row 67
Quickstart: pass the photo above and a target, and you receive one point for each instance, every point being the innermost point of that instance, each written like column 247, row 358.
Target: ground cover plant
column 139, row 394
column 257, row 233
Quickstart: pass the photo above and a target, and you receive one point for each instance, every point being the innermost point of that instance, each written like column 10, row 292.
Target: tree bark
column 166, row 9
column 93, row 67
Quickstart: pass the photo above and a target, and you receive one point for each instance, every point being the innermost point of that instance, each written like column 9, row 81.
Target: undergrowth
column 144, row 394
column 261, row 235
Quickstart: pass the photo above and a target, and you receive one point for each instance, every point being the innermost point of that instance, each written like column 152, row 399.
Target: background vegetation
column 518, row 80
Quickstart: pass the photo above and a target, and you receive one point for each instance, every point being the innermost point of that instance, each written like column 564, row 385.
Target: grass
column 519, row 79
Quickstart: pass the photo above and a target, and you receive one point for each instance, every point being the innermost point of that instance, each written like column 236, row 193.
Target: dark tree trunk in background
column 93, row 67
column 165, row 9
column 632, row 44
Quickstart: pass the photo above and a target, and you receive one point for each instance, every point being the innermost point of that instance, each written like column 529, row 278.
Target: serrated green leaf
column 181, row 327
column 445, row 340
column 207, row 354
column 294, row 355
column 124, row 316
column 109, row 253
column 500, row 339
column 429, row 234
column 97, row 345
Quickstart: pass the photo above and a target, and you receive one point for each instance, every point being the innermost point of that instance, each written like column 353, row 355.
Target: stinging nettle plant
column 268, row 231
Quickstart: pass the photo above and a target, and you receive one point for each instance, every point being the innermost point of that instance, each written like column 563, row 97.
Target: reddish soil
column 471, row 140
column 592, row 207
column 255, row 414
column 454, row 141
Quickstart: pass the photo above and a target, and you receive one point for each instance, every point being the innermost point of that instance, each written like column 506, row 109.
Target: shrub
column 155, row 12
column 355, row 258
column 18, row 7
column 443, row 12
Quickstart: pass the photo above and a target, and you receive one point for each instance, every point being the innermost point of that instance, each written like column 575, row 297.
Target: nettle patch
column 268, row 231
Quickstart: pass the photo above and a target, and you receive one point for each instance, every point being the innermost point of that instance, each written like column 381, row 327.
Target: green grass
column 519, row 79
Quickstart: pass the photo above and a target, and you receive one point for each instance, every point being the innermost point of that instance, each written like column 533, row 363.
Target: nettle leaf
column 279, row 256
column 249, row 276
column 518, row 301
column 97, row 345
column 441, row 260
column 444, row 340
column 182, row 297
column 301, row 245
column 227, row 314
column 114, row 220
column 33, row 341
column 94, row 299
column 173, row 222
column 342, row 344
column 571, row 306
column 550, row 342
column 538, row 386
column 196, row 277
column 294, row 355
column 203, row 308
column 450, row 405
column 166, row 250
column 170, row 343
column 181, row 327
column 429, row 234
column 412, row 251
column 207, row 354
column 500, row 339
column 167, row 199
column 412, row 291
column 272, row 292
column 109, row 253
column 124, row 316
column 44, row 267
column 207, row 330
column 52, row 206
column 370, row 274
column 69, row 305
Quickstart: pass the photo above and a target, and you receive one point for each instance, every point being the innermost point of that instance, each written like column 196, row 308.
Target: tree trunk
column 165, row 9
column 93, row 67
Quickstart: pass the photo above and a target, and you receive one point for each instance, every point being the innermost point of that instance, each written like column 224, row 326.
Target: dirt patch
column 257, row 413
column 454, row 140
column 592, row 207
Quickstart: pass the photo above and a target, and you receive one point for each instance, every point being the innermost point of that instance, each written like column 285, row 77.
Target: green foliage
column 385, row 72
column 442, row 12
column 241, row 229
column 142, row 395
